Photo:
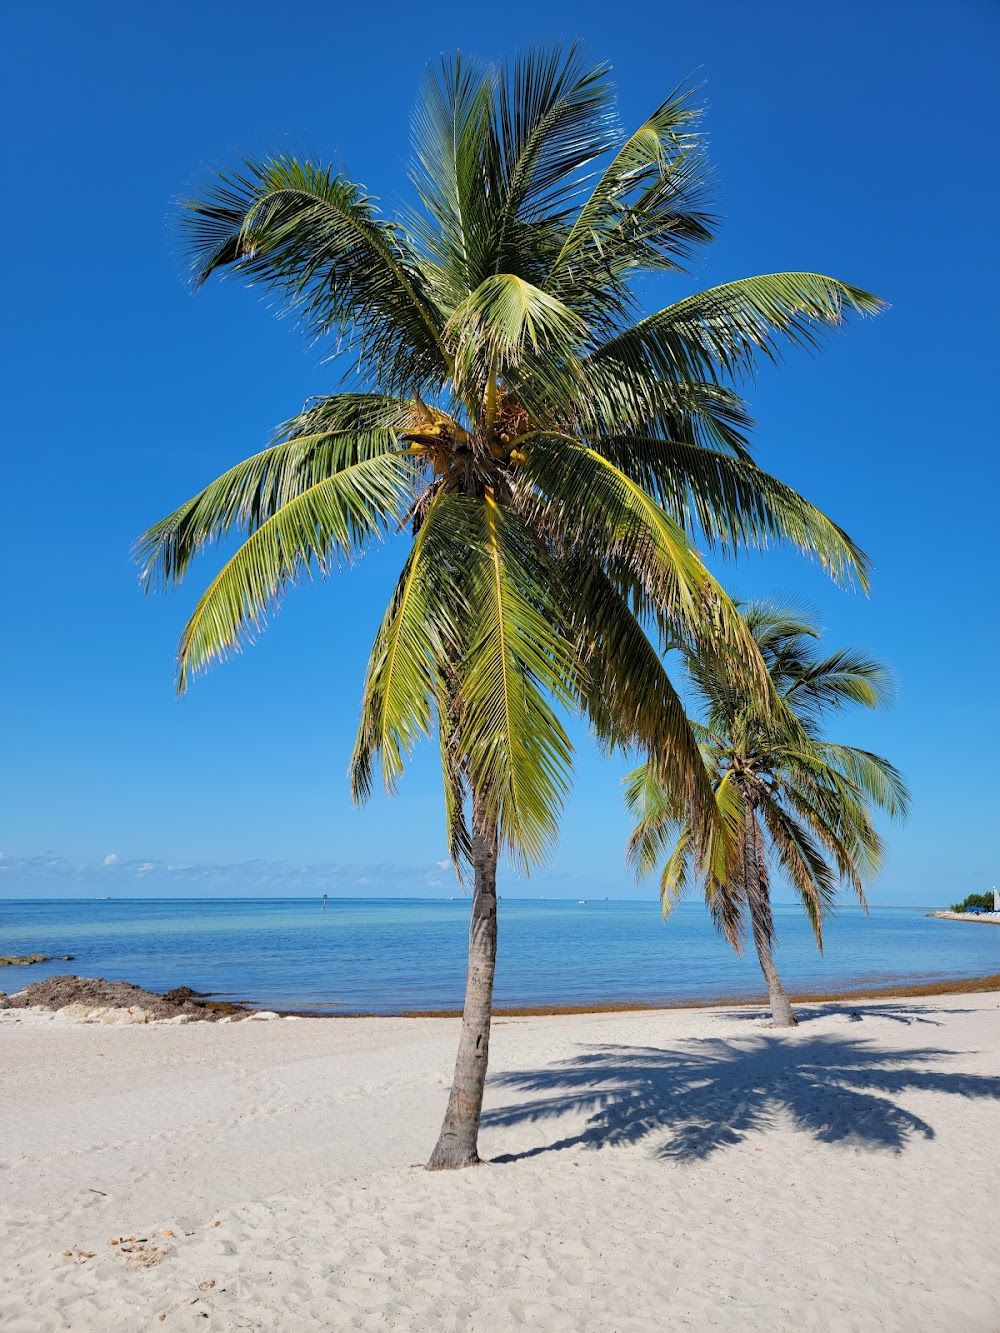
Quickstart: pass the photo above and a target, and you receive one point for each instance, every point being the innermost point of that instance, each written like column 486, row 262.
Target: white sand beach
column 682, row 1170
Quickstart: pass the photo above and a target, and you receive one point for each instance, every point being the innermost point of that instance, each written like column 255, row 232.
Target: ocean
column 388, row 956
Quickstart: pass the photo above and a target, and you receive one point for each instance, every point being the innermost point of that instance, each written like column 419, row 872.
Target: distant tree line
column 983, row 900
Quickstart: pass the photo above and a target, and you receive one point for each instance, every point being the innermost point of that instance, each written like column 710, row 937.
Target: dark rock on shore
column 58, row 992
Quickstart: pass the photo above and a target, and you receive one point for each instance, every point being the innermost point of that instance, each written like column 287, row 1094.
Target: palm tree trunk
column 758, row 901
column 457, row 1144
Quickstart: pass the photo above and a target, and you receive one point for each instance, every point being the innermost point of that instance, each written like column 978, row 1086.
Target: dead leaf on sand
column 147, row 1256
column 78, row 1256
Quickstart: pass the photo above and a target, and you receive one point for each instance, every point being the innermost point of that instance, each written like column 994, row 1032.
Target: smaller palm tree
column 784, row 797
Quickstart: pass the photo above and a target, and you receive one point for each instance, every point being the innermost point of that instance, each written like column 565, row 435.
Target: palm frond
column 315, row 237
column 553, row 116
column 844, row 677
column 880, row 781
column 733, row 503
column 725, row 329
column 803, row 863
column 646, row 212
column 330, row 520
column 453, row 145
column 415, row 645
column 455, row 785
column 580, row 493
column 326, row 438
column 658, row 818
column 515, row 665
column 834, row 810
column 628, row 695
column 607, row 405
column 676, row 874
column 503, row 321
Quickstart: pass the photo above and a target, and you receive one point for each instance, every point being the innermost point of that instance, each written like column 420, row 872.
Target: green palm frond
column 640, row 213
column 554, row 115
column 676, row 874
column 331, row 520
column 610, row 406
column 707, row 851
column 734, row 504
column 316, row 238
column 498, row 155
column 804, row 864
column 839, row 822
column 515, row 666
column 414, row 646
column 873, row 776
column 328, row 437
column 629, row 697
column 647, row 212
column 501, row 322
column 659, row 819
column 455, row 785
column 845, row 677
column 724, row 330
column 609, row 513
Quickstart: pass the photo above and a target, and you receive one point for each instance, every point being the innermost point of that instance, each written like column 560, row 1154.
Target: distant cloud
column 443, row 865
column 51, row 875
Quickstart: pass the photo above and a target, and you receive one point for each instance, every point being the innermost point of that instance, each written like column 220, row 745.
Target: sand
column 670, row 1170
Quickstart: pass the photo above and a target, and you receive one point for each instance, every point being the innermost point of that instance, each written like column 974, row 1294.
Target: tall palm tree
column 785, row 797
column 551, row 455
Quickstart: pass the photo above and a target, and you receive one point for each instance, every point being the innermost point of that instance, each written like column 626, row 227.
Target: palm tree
column 783, row 794
column 550, row 454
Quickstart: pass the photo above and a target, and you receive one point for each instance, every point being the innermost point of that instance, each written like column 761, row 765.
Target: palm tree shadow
column 852, row 1011
column 711, row 1094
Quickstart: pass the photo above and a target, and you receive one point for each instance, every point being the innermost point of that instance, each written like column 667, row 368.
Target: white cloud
column 43, row 873
column 443, row 865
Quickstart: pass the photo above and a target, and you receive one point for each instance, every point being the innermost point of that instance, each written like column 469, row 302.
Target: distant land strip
column 981, row 918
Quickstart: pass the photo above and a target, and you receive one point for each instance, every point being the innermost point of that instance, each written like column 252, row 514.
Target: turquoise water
column 389, row 955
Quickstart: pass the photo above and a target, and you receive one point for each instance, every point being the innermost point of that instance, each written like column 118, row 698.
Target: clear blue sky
column 852, row 138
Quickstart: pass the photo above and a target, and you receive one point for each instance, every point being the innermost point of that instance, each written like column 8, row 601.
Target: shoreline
column 898, row 990
column 979, row 918
column 184, row 1004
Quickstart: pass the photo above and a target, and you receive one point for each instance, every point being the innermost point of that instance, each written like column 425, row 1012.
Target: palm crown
column 783, row 793
column 553, row 454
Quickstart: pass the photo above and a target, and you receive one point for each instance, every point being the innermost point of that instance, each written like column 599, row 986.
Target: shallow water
column 389, row 955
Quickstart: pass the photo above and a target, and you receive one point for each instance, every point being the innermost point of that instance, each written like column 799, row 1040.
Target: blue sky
column 849, row 138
